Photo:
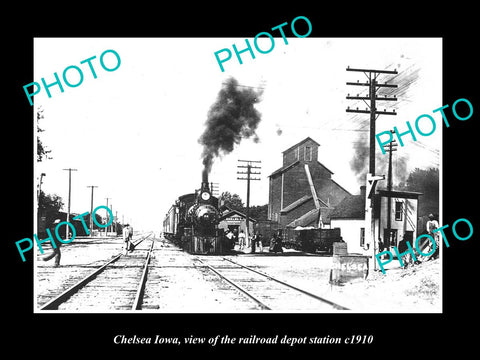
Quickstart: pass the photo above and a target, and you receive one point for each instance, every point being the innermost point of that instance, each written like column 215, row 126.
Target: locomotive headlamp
column 205, row 196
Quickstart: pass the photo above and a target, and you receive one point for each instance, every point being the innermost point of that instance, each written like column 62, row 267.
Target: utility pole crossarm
column 385, row 98
column 373, row 71
column 369, row 112
column 368, row 84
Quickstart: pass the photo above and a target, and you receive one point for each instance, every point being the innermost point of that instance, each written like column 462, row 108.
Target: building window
column 308, row 153
column 297, row 153
column 398, row 210
column 362, row 237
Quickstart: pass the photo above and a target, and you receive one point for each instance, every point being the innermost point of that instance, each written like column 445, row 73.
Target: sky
column 134, row 132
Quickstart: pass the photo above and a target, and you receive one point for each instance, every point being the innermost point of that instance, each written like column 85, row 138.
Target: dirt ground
column 414, row 289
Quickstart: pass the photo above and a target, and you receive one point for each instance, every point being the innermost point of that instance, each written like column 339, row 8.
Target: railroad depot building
column 235, row 220
column 302, row 192
column 401, row 219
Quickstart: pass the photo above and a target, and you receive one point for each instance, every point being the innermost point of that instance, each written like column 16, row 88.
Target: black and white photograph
column 245, row 190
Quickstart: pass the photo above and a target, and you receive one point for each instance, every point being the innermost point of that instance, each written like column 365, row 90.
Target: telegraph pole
column 91, row 209
column 371, row 180
column 106, row 216
column 392, row 147
column 111, row 226
column 249, row 172
column 69, row 197
column 373, row 86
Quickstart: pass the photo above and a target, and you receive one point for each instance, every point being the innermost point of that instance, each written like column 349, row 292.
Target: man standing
column 56, row 249
column 257, row 242
column 130, row 232
column 432, row 225
column 241, row 239
column 126, row 238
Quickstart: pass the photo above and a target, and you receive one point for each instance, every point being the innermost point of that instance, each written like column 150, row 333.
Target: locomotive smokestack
column 231, row 118
column 205, row 181
column 204, row 177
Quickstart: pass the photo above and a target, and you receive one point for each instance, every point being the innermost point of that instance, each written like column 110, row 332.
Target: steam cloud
column 360, row 160
column 231, row 118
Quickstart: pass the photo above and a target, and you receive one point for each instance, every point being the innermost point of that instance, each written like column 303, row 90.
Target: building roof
column 340, row 186
column 306, row 219
column 301, row 142
column 400, row 194
column 230, row 213
column 296, row 204
column 285, row 168
column 351, row 207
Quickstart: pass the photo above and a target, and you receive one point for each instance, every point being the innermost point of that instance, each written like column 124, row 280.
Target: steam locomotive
column 191, row 223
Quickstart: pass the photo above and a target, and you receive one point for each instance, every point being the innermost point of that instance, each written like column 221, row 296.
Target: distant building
column 302, row 192
column 349, row 216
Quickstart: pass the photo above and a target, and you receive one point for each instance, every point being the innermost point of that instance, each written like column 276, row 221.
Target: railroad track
column 118, row 284
column 268, row 292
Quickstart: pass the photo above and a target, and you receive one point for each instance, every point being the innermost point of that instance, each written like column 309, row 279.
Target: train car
column 192, row 223
column 170, row 223
column 313, row 240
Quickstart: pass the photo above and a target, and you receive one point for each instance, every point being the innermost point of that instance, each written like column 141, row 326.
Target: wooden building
column 235, row 221
column 349, row 216
column 302, row 192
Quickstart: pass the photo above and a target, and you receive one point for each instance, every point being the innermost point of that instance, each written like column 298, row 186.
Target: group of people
column 256, row 241
column 426, row 246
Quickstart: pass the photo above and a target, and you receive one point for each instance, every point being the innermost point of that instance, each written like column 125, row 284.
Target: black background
column 89, row 334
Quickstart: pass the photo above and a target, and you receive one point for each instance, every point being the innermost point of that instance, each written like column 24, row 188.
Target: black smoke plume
column 231, row 118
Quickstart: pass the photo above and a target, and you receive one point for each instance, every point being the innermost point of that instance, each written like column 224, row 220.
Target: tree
column 50, row 202
column 234, row 201
column 259, row 212
column 41, row 150
column 426, row 182
column 49, row 205
column 48, row 210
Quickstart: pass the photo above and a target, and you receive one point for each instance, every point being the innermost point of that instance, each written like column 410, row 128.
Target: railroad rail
column 88, row 281
column 262, row 292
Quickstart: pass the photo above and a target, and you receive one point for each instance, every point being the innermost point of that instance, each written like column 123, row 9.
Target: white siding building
column 349, row 216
